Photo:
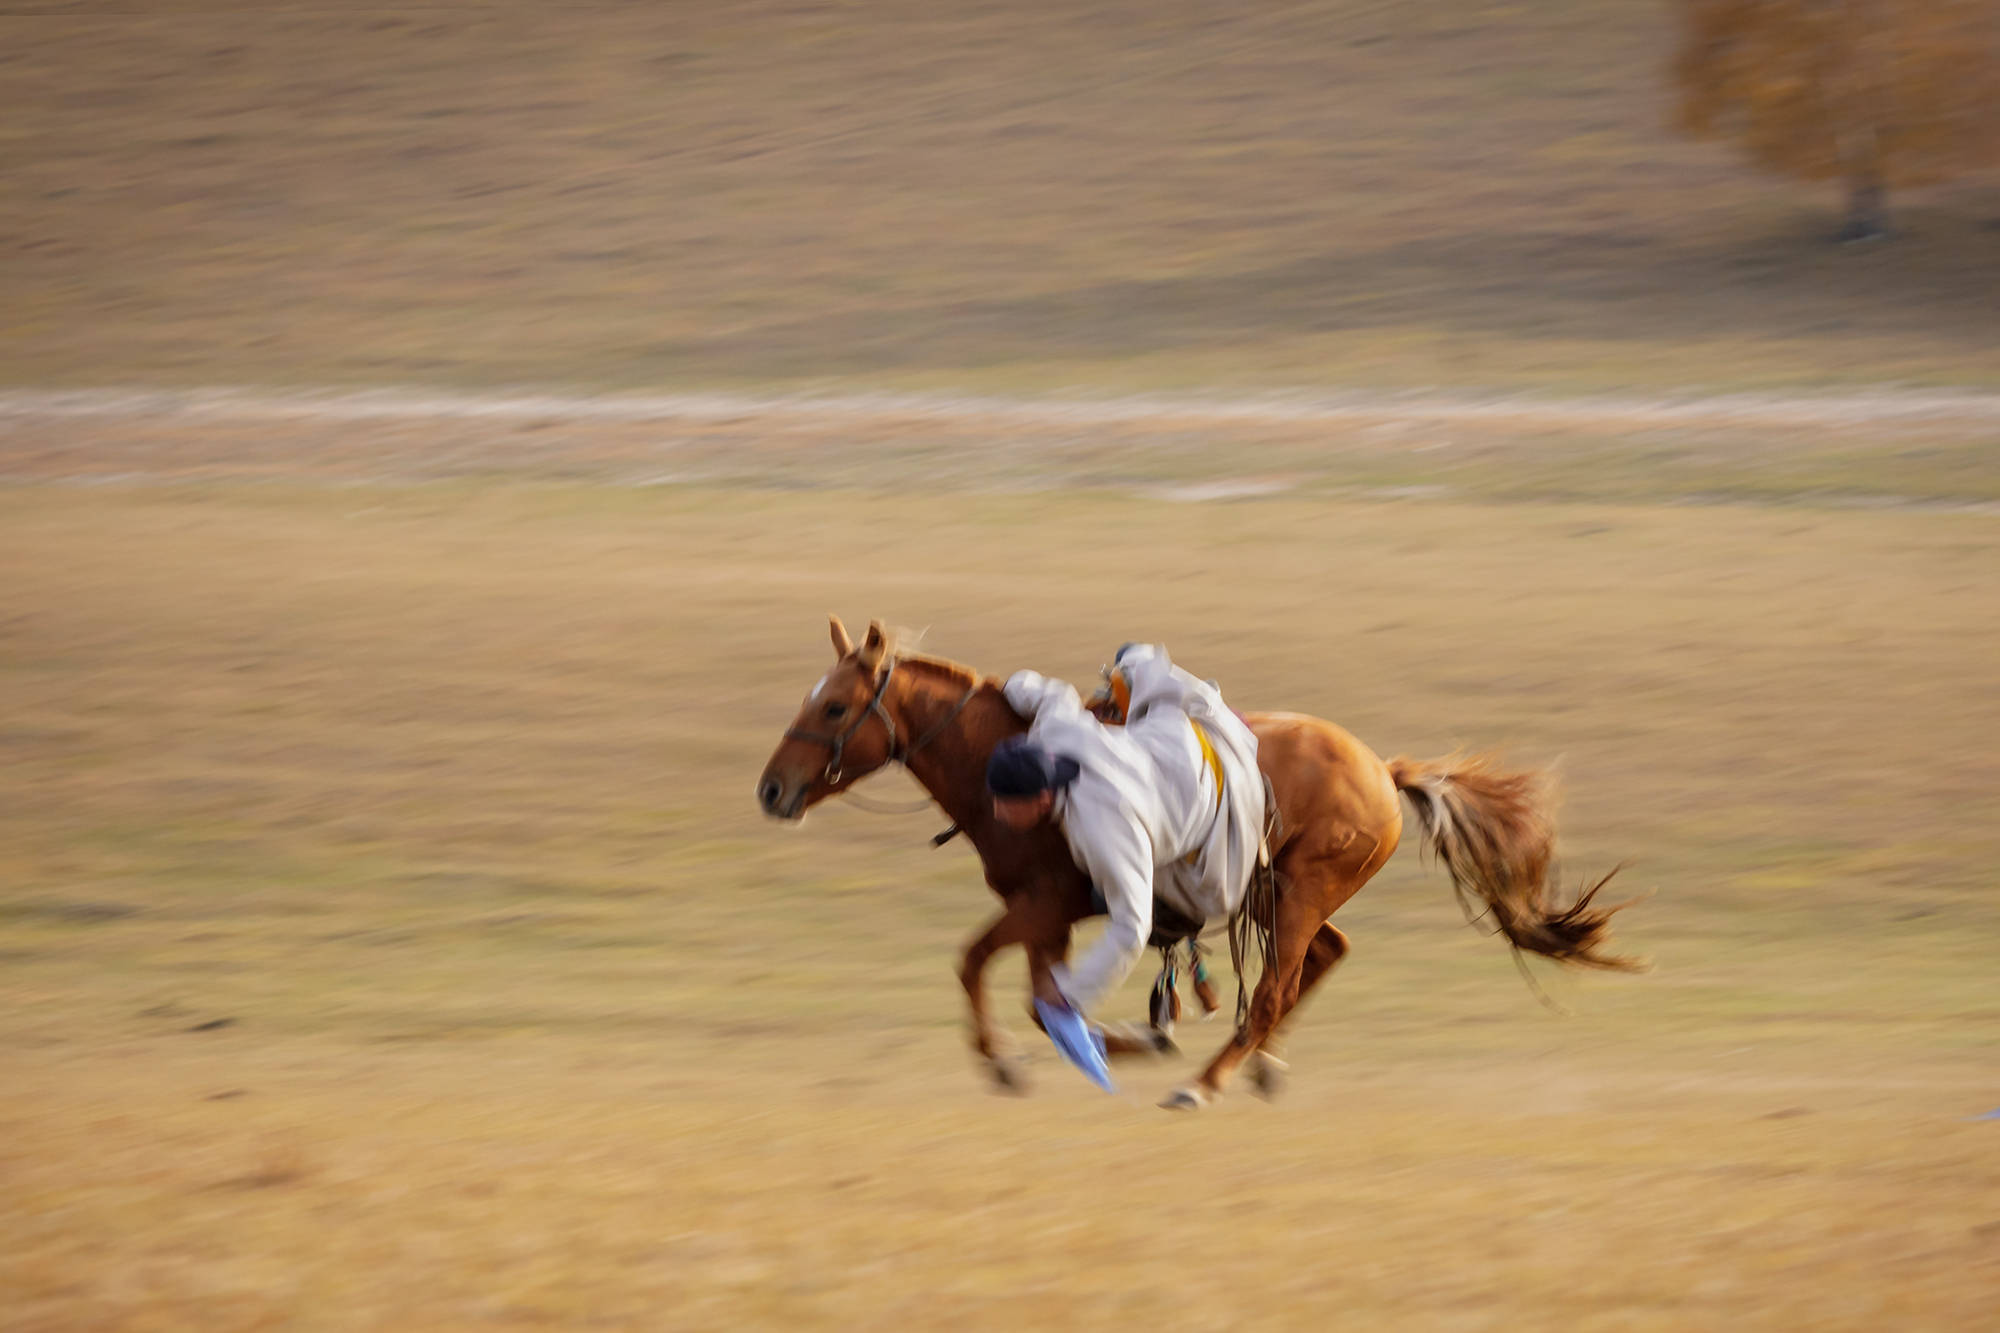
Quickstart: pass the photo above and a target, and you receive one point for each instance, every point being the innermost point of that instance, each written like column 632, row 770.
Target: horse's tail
column 1494, row 831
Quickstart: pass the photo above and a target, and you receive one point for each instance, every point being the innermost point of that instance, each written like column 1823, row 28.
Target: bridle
column 836, row 743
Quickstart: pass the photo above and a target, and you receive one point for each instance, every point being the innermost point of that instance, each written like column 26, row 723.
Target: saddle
column 1171, row 926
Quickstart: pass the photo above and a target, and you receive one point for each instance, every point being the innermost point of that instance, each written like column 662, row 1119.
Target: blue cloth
column 1077, row 1043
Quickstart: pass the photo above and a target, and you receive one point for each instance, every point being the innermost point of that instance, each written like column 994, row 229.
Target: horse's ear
column 875, row 647
column 842, row 645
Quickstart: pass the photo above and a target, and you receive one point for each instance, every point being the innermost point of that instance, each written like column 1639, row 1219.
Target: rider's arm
column 1154, row 680
column 1037, row 697
column 1113, row 850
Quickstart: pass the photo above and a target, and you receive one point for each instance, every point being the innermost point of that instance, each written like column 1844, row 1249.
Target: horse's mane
column 956, row 672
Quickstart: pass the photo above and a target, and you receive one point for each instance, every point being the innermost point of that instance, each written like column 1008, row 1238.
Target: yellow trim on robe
column 1214, row 762
column 1208, row 754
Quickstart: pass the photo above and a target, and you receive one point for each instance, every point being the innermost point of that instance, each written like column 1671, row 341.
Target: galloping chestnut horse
column 1339, row 821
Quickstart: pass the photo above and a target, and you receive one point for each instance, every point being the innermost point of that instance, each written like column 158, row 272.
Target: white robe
column 1144, row 814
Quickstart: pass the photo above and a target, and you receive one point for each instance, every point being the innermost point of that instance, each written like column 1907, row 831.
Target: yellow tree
column 1872, row 93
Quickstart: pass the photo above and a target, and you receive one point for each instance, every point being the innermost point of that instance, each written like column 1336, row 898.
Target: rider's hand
column 1049, row 993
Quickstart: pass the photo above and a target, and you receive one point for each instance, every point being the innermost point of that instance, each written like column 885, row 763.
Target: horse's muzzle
column 772, row 801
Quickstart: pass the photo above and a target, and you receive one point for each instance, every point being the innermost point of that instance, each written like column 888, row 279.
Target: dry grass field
column 391, row 941
column 388, row 939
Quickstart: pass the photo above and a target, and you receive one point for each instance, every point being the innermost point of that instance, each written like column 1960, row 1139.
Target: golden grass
column 441, row 793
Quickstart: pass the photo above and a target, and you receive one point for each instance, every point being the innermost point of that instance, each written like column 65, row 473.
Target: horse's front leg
column 1010, row 927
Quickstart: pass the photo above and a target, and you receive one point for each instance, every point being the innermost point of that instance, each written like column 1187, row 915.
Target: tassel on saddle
column 1254, row 927
column 1164, row 1006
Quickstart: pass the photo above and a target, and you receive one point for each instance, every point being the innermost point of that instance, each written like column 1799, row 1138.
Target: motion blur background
column 432, row 439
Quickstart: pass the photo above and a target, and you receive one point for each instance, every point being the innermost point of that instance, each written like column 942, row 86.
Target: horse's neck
column 951, row 766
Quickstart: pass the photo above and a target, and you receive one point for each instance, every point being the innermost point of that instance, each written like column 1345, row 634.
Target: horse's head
column 842, row 732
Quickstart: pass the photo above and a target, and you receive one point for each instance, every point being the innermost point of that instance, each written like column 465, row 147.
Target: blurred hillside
column 1013, row 198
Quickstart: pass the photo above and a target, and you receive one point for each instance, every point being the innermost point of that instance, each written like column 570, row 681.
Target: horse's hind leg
column 1299, row 919
column 1267, row 1067
column 1351, row 868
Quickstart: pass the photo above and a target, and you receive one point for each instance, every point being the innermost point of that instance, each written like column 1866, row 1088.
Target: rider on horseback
column 1169, row 803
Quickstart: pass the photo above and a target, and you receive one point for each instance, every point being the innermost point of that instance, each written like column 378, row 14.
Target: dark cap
column 1019, row 767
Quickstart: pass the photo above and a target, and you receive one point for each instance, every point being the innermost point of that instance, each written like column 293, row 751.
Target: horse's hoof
column 1164, row 1043
column 1267, row 1077
column 1008, row 1077
column 1184, row 1099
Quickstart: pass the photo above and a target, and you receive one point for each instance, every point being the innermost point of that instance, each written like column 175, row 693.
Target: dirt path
column 1879, row 448
column 1876, row 408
